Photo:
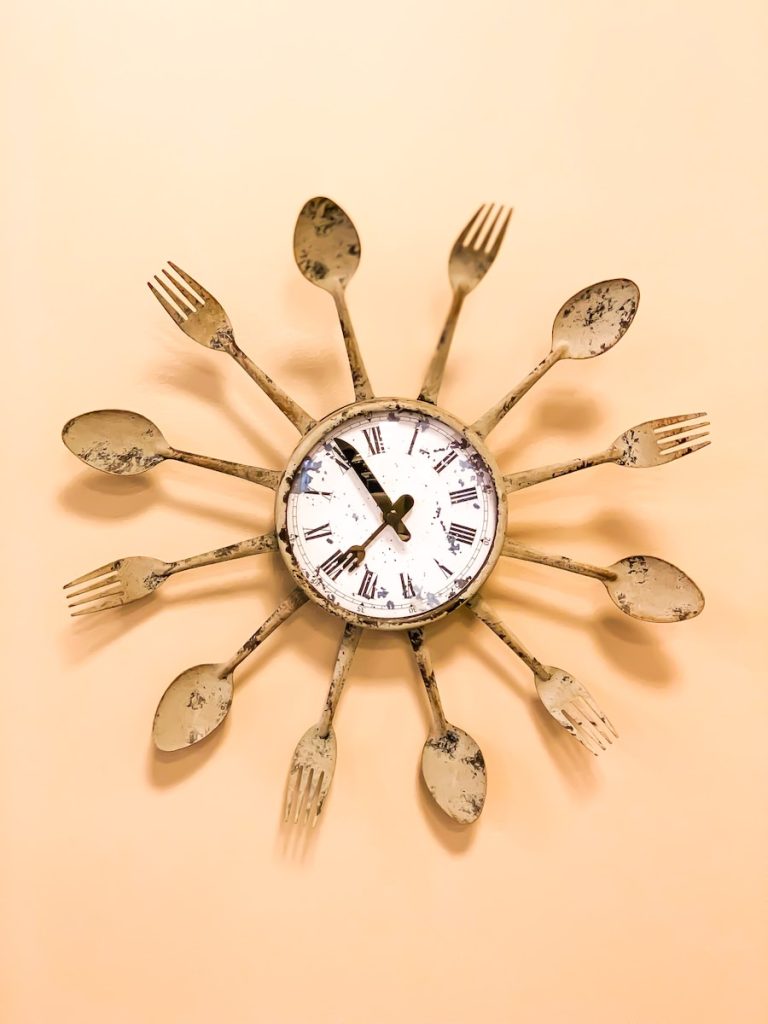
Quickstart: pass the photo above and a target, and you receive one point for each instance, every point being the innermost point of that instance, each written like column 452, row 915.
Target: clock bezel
column 315, row 436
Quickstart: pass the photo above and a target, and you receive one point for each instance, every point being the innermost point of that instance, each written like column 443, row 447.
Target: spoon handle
column 529, row 477
column 280, row 615
column 487, row 615
column 430, row 389
column 491, row 419
column 266, row 477
column 349, row 640
column 360, row 381
column 424, row 662
column 252, row 546
column 287, row 406
column 513, row 550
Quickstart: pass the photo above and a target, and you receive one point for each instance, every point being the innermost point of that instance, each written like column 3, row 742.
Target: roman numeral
column 368, row 586
column 318, row 494
column 317, row 532
column 334, row 566
column 413, row 440
column 466, row 494
column 407, row 584
column 446, row 572
column 445, row 461
column 374, row 439
column 461, row 534
column 337, row 457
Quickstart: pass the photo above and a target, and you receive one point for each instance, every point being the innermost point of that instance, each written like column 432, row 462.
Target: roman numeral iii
column 461, row 534
column 465, row 494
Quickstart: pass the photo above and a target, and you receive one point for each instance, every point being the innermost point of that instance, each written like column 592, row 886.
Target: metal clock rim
column 314, row 436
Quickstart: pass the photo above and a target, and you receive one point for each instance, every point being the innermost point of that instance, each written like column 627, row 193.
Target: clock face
column 348, row 549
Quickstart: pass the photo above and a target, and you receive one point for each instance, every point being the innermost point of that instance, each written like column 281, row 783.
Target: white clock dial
column 331, row 511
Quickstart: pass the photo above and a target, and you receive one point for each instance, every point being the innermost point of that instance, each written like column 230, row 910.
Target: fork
column 203, row 318
column 129, row 579
column 567, row 701
column 314, row 759
column 645, row 445
column 471, row 257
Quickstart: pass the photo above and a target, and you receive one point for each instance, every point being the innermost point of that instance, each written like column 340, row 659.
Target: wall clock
column 390, row 514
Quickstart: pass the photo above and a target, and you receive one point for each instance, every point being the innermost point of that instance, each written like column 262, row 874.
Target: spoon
column 198, row 700
column 452, row 764
column 326, row 248
column 640, row 585
column 588, row 324
column 126, row 443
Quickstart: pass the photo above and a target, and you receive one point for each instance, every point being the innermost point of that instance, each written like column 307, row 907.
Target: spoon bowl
column 196, row 703
column 594, row 319
column 453, row 768
column 650, row 588
column 115, row 441
column 326, row 244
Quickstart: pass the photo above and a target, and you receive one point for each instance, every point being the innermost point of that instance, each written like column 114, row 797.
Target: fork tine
column 594, row 716
column 489, row 233
column 111, row 603
column 314, row 793
column 667, row 421
column 197, row 303
column 185, row 309
column 94, row 597
column 191, row 281
column 320, row 802
column 584, row 727
column 685, row 439
column 105, row 581
column 679, row 429
column 463, row 236
column 306, row 785
column 173, row 313
column 472, row 243
column 583, row 737
column 589, row 700
column 109, row 567
column 671, row 456
column 293, row 783
column 500, row 237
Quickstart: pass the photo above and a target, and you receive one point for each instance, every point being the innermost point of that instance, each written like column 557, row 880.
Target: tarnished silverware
column 452, row 764
column 202, row 318
column 198, row 700
column 469, row 262
column 567, row 701
column 129, row 579
column 641, row 447
column 640, row 585
column 314, row 759
column 326, row 247
column 588, row 324
column 125, row 443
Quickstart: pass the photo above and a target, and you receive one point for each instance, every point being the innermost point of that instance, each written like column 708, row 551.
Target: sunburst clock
column 390, row 513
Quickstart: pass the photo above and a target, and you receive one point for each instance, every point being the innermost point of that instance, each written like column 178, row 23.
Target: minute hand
column 371, row 484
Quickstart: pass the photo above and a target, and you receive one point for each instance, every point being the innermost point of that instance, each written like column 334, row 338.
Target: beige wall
column 156, row 889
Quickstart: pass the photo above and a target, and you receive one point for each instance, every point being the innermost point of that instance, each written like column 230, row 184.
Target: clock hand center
column 371, row 483
column 394, row 518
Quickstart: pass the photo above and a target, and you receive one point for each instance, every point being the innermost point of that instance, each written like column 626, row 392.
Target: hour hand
column 371, row 483
column 354, row 556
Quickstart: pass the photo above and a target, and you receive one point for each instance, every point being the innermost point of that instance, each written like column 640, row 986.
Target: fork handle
column 486, row 614
column 430, row 389
column 529, row 477
column 349, row 640
column 252, row 546
column 266, row 477
column 287, row 406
